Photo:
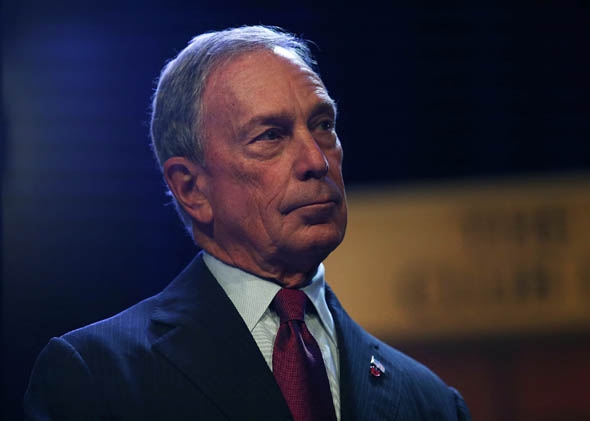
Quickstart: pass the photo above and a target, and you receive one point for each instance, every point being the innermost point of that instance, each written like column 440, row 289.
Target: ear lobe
column 188, row 183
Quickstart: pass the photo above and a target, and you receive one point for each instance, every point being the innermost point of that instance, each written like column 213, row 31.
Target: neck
column 288, row 276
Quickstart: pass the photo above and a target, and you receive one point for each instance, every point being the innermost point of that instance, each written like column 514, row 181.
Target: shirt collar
column 252, row 295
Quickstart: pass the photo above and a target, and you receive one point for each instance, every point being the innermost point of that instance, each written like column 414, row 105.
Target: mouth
column 318, row 204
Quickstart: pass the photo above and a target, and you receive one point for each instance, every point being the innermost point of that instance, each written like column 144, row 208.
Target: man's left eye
column 326, row 125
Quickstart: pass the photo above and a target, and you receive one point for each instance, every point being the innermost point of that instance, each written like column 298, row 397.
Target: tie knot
column 290, row 304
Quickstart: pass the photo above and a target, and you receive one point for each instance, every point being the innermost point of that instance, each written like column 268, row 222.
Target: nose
column 311, row 159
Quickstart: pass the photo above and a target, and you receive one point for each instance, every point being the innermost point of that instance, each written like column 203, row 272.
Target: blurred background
column 467, row 160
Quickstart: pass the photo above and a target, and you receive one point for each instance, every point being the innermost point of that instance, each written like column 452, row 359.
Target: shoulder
column 142, row 323
column 93, row 354
column 127, row 326
column 76, row 374
column 356, row 341
column 413, row 371
column 407, row 387
column 414, row 374
column 421, row 393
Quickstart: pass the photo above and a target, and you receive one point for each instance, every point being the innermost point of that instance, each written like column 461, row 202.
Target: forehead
column 262, row 74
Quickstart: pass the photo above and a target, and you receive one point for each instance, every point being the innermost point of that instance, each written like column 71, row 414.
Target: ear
column 187, row 181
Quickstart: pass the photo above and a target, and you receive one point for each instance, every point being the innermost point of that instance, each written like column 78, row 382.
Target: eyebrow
column 325, row 107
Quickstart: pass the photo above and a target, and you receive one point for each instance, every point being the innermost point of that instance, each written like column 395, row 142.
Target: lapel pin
column 375, row 367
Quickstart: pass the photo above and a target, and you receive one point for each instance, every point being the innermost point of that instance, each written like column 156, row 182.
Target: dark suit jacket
column 187, row 354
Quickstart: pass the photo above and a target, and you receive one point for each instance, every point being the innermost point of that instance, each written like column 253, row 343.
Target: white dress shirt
column 252, row 296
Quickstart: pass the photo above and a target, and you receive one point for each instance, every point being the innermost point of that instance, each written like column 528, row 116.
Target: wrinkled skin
column 272, row 174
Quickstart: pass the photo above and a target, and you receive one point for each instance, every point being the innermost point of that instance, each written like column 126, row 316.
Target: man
column 244, row 131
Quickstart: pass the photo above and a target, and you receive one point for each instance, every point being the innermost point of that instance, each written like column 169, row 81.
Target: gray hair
column 177, row 102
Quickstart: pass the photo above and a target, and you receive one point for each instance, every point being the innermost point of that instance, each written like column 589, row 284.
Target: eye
column 326, row 125
column 270, row 134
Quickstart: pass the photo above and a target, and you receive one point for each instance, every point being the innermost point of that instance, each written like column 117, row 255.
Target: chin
column 321, row 245
column 314, row 241
column 306, row 255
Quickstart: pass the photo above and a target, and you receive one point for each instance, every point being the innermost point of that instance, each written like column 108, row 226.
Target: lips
column 334, row 197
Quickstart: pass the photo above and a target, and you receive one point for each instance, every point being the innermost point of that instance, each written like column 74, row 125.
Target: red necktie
column 297, row 361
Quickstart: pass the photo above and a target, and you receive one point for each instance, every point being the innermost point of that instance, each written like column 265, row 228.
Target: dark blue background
column 426, row 94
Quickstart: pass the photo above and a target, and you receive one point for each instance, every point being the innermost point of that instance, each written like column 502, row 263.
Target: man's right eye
column 270, row 134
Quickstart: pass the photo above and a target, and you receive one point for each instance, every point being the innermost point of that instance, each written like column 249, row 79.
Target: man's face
column 273, row 164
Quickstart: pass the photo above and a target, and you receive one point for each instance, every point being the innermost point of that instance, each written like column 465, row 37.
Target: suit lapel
column 209, row 342
column 362, row 396
column 202, row 335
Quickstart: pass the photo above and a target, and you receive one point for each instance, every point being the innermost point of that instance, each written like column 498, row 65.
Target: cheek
column 266, row 185
column 336, row 174
column 335, row 158
column 257, row 193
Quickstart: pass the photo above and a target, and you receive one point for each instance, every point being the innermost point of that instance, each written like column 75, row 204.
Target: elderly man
column 244, row 131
